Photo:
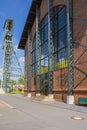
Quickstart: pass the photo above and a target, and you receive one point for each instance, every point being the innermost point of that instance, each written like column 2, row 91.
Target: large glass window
column 44, row 45
column 60, row 44
column 59, row 38
column 43, row 58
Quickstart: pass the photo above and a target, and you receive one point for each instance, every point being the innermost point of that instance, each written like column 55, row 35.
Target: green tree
column 12, row 82
column 0, row 81
column 21, row 80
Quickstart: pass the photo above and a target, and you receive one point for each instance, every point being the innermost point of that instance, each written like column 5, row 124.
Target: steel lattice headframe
column 11, row 66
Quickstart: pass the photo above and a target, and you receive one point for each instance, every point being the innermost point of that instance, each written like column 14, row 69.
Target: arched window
column 59, row 38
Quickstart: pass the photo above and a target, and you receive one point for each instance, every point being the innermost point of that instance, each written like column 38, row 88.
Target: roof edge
column 29, row 23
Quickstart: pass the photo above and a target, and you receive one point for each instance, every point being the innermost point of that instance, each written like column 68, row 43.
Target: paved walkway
column 78, row 108
column 63, row 105
column 1, row 105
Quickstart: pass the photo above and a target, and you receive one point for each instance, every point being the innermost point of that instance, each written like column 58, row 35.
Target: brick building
column 55, row 43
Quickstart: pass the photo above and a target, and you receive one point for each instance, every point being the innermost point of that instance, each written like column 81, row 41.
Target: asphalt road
column 20, row 113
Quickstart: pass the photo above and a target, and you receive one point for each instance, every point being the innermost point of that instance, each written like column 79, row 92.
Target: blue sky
column 18, row 11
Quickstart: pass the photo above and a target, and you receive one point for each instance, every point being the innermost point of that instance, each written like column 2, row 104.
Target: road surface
column 20, row 113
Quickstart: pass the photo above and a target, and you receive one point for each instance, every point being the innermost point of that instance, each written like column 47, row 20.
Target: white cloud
column 21, row 59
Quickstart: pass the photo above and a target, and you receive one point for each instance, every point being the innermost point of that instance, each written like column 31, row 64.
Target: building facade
column 55, row 43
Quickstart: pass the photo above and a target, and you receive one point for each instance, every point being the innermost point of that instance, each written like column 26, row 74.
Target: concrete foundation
column 2, row 91
column 70, row 99
column 29, row 95
column 48, row 98
column 38, row 94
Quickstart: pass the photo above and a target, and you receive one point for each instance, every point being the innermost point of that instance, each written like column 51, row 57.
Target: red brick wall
column 60, row 81
column 80, row 30
column 33, row 91
column 60, row 89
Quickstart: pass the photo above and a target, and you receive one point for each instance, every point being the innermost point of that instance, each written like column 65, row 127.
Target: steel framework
column 74, row 64
column 50, row 45
column 81, row 34
column 29, row 61
column 11, row 66
column 38, row 43
column 70, row 44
